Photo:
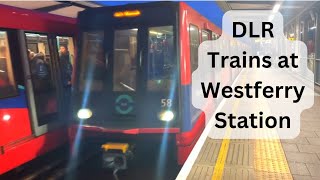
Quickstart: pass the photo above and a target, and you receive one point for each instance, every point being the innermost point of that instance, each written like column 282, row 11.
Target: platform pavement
column 303, row 152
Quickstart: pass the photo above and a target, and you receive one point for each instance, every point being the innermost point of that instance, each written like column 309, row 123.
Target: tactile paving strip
column 204, row 164
column 242, row 159
column 200, row 172
column 209, row 152
column 240, row 154
column 238, row 173
column 270, row 161
column 246, row 159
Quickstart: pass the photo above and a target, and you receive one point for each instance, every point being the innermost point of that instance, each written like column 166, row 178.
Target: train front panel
column 128, row 72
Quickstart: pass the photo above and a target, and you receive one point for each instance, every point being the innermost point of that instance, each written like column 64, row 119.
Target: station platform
column 298, row 158
column 274, row 159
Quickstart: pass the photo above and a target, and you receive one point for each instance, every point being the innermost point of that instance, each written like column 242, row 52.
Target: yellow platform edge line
column 262, row 166
column 224, row 149
column 219, row 167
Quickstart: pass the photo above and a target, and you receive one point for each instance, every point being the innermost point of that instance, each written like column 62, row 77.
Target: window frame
column 52, row 64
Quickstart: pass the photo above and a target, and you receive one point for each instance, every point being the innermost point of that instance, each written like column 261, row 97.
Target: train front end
column 127, row 86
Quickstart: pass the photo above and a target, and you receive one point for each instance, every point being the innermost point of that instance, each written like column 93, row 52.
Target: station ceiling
column 63, row 8
column 289, row 9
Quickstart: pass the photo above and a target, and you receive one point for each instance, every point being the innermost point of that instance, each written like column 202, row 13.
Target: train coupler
column 115, row 156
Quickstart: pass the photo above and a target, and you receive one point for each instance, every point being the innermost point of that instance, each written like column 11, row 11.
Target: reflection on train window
column 215, row 36
column 7, row 82
column 42, row 79
column 205, row 36
column 66, row 59
column 194, row 44
column 125, row 53
column 161, row 59
column 93, row 65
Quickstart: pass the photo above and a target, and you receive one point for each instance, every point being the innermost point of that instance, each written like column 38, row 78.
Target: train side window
column 194, row 44
column 44, row 86
column 66, row 57
column 161, row 63
column 92, row 62
column 205, row 35
column 8, row 86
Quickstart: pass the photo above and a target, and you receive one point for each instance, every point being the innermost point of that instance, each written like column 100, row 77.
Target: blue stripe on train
column 15, row 102
column 188, row 112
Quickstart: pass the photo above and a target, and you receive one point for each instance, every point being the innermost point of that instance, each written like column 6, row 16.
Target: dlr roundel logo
column 124, row 104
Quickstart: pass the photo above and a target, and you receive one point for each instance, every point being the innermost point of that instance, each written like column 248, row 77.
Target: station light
column 166, row 115
column 276, row 8
column 155, row 33
column 128, row 13
column 84, row 114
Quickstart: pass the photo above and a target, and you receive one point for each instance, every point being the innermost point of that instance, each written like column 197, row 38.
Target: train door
column 45, row 92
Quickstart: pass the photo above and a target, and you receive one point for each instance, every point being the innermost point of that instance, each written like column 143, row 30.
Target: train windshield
column 155, row 59
column 125, row 62
column 161, row 58
column 93, row 65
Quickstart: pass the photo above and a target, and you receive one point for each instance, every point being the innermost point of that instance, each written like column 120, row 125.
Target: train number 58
column 166, row 102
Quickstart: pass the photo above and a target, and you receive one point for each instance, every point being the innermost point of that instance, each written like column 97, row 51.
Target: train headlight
column 84, row 114
column 6, row 117
column 166, row 115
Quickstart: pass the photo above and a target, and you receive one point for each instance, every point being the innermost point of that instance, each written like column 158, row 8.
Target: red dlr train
column 133, row 75
column 32, row 120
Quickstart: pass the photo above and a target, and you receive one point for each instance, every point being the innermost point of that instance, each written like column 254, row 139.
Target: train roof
column 209, row 9
column 18, row 18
